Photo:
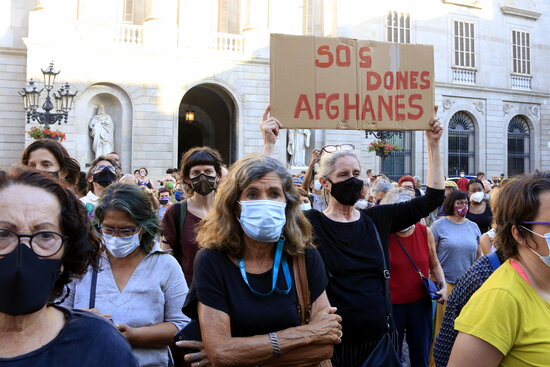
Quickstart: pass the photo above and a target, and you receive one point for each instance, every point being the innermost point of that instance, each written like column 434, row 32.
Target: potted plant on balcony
column 383, row 148
column 38, row 132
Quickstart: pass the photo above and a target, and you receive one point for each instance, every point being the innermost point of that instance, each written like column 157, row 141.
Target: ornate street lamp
column 63, row 100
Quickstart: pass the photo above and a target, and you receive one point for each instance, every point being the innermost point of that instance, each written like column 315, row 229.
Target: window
column 399, row 164
column 398, row 27
column 461, row 144
column 128, row 11
column 464, row 44
column 521, row 53
column 518, row 146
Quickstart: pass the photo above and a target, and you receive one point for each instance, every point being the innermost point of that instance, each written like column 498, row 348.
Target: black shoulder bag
column 384, row 354
column 430, row 285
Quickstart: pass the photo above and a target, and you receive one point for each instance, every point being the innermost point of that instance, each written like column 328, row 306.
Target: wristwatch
column 442, row 284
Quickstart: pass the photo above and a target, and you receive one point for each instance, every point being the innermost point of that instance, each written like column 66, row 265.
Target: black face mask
column 203, row 184
column 26, row 281
column 164, row 201
column 105, row 177
column 347, row 192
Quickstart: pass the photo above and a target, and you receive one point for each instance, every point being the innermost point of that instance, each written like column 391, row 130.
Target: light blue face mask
column 121, row 246
column 317, row 185
column 263, row 220
column 546, row 236
column 305, row 206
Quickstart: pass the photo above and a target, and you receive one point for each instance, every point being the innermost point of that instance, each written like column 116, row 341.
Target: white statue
column 102, row 132
column 298, row 141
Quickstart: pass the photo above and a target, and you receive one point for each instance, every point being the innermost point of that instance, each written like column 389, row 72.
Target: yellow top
column 507, row 313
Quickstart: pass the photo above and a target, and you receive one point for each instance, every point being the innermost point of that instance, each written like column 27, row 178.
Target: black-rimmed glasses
column 43, row 244
column 333, row 148
column 123, row 232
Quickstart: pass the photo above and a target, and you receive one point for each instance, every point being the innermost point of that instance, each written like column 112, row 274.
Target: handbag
column 304, row 296
column 430, row 286
column 384, row 354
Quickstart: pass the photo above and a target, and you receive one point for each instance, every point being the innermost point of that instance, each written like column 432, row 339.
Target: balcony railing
column 119, row 33
column 227, row 42
column 464, row 76
column 521, row 82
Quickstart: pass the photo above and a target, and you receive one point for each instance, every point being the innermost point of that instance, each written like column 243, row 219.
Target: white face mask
column 317, row 185
column 477, row 196
column 121, row 246
column 546, row 236
column 305, row 206
column 263, row 220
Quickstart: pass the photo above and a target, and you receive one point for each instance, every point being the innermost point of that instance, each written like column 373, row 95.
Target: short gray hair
column 381, row 186
column 398, row 195
column 326, row 166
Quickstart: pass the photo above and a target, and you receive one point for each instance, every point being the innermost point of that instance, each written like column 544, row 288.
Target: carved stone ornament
column 534, row 111
column 447, row 104
column 506, row 108
column 479, row 106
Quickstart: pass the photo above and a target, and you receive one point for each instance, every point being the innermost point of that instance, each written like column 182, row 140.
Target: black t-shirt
column 354, row 262
column 482, row 220
column 86, row 340
column 217, row 283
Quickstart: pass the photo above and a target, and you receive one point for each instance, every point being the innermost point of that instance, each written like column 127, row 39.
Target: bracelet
column 275, row 344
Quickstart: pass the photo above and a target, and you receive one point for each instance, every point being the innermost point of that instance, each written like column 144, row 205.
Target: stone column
column 160, row 23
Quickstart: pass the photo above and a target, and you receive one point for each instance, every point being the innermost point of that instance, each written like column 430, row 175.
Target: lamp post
column 63, row 100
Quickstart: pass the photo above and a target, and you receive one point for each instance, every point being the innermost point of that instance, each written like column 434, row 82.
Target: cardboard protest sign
column 342, row 83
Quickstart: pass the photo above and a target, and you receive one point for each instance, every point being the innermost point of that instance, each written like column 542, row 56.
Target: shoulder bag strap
column 386, row 275
column 409, row 256
column 93, row 287
column 180, row 212
column 302, row 288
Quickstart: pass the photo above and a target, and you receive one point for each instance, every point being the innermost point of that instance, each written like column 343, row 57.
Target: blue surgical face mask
column 546, row 236
column 121, row 246
column 305, row 206
column 263, row 220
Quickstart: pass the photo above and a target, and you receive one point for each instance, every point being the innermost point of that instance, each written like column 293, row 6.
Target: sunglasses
column 333, row 148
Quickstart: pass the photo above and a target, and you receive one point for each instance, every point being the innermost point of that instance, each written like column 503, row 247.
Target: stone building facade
column 154, row 64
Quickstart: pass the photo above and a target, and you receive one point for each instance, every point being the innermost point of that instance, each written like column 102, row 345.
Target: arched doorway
column 207, row 117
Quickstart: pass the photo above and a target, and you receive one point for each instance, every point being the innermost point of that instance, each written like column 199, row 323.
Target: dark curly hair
column 473, row 181
column 83, row 247
column 69, row 165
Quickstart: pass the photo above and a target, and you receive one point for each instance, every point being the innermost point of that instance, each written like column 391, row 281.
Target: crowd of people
column 249, row 265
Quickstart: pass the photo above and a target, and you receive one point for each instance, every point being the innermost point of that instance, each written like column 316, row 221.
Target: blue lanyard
column 276, row 263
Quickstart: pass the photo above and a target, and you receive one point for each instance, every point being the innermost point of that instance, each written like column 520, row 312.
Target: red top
column 405, row 283
column 462, row 184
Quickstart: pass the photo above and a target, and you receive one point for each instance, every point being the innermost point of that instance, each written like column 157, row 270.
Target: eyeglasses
column 462, row 202
column 102, row 167
column 334, row 148
column 546, row 223
column 43, row 244
column 124, row 232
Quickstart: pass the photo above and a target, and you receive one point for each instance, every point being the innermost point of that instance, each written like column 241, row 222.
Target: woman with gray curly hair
column 242, row 290
column 380, row 188
column 411, row 305
column 139, row 287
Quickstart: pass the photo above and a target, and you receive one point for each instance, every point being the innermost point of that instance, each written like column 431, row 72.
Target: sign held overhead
column 343, row 83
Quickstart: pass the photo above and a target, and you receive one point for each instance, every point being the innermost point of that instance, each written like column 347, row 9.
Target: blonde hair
column 220, row 230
